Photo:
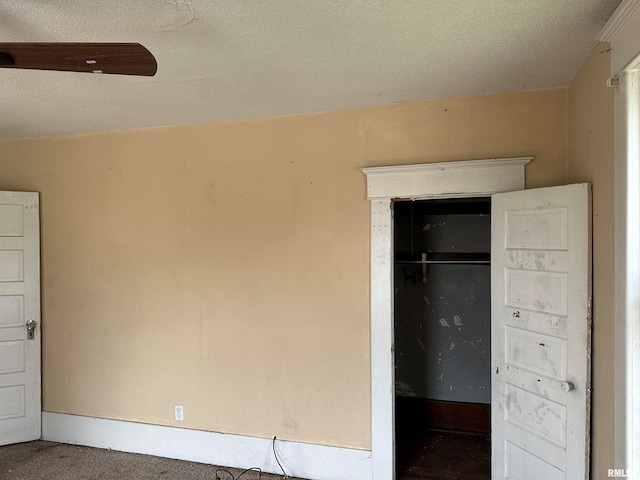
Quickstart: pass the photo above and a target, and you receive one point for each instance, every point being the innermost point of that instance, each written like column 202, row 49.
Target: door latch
column 31, row 328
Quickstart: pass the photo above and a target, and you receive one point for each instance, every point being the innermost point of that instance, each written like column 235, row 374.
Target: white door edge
column 541, row 332
column 20, row 374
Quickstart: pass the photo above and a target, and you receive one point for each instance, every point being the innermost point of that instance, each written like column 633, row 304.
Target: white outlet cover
column 179, row 412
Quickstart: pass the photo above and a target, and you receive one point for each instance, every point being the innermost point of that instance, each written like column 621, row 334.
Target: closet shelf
column 443, row 258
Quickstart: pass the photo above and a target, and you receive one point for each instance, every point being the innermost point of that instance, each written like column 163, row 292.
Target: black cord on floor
column 254, row 469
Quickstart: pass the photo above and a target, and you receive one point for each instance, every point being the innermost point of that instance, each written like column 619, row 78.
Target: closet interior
column 442, row 330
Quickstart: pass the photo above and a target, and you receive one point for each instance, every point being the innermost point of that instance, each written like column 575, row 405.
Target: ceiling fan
column 107, row 58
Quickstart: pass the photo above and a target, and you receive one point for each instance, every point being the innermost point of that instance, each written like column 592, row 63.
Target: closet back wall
column 442, row 310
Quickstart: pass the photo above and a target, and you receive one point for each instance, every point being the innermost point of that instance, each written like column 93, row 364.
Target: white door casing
column 622, row 31
column 20, row 402
column 541, row 333
column 474, row 178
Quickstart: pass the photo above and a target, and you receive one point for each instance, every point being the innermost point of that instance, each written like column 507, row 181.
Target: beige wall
column 591, row 155
column 226, row 266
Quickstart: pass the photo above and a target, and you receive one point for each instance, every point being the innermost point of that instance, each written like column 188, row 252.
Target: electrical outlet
column 179, row 412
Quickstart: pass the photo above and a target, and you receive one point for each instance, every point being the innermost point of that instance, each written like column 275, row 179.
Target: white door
column 541, row 333
column 20, row 416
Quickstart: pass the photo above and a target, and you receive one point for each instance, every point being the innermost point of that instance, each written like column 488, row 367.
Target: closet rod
column 434, row 258
column 453, row 262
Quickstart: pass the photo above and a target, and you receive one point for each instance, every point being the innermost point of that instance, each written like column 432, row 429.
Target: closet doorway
column 442, row 338
column 540, row 313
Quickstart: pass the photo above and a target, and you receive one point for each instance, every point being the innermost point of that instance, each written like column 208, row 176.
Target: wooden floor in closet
column 442, row 455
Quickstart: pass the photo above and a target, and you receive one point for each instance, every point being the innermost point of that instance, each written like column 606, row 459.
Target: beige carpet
column 58, row 461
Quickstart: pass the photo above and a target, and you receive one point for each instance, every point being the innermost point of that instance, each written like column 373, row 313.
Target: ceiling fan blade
column 110, row 58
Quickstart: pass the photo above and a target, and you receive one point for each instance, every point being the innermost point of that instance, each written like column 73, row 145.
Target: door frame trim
column 471, row 178
column 627, row 272
column 621, row 31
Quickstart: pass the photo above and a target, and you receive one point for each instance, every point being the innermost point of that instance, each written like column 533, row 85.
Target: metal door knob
column 31, row 326
column 567, row 386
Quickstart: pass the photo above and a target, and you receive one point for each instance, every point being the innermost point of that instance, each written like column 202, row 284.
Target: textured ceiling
column 234, row 59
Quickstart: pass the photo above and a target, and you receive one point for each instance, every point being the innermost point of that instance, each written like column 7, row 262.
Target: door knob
column 567, row 386
column 31, row 327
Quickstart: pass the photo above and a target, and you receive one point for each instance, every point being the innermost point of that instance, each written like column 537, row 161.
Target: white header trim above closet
column 450, row 179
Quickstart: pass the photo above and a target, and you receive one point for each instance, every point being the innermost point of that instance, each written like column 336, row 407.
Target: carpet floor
column 58, row 461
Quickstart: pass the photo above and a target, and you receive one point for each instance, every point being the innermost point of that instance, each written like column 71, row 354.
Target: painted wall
column 591, row 159
column 226, row 266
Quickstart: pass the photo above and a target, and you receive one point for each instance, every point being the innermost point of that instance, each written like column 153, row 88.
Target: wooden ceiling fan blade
column 5, row 60
column 109, row 58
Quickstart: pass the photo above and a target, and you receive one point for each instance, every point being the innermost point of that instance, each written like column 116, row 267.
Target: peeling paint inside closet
column 442, row 312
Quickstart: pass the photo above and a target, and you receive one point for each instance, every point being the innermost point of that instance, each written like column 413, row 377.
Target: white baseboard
column 304, row 460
